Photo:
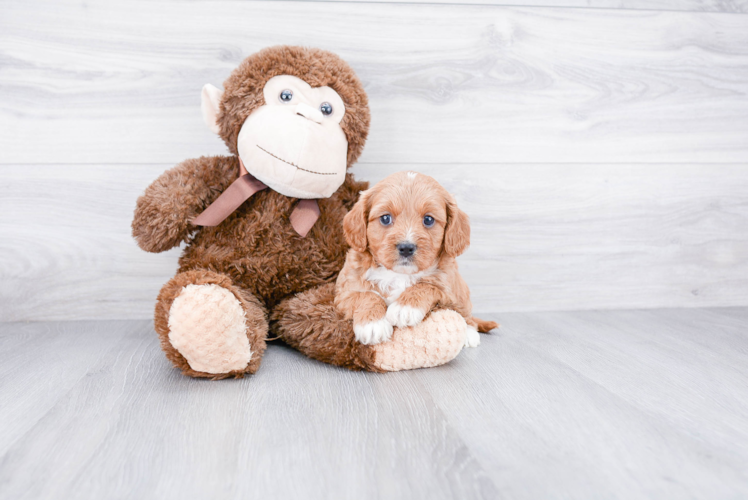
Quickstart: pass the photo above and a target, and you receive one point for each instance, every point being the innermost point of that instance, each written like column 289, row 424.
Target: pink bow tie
column 303, row 217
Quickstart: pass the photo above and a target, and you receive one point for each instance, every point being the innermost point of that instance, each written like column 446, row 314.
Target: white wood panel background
column 737, row 6
column 601, row 152
column 119, row 82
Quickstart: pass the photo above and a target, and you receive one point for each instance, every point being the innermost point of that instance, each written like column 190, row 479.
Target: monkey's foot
column 435, row 341
column 207, row 325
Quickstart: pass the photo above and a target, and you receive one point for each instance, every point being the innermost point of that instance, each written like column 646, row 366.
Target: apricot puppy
column 405, row 234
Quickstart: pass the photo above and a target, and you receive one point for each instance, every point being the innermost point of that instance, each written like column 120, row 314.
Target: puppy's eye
column 386, row 219
column 428, row 221
column 286, row 96
column 326, row 108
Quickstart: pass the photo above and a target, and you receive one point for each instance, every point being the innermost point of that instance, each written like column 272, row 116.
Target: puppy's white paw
column 373, row 332
column 473, row 337
column 403, row 316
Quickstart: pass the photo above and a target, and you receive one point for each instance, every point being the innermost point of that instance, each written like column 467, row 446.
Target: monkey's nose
column 309, row 112
column 406, row 249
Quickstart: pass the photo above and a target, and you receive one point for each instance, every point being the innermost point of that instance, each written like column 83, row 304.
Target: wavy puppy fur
column 405, row 234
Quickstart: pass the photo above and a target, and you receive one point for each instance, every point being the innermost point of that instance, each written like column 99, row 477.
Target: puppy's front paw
column 373, row 332
column 473, row 337
column 403, row 316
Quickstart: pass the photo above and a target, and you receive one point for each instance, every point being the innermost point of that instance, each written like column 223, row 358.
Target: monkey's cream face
column 294, row 143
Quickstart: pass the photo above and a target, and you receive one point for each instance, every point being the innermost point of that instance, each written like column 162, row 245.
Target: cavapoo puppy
column 404, row 234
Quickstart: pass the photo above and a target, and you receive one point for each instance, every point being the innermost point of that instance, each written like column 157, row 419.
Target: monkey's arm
column 163, row 214
column 348, row 192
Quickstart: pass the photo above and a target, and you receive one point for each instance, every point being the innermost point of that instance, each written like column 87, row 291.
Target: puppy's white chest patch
column 391, row 284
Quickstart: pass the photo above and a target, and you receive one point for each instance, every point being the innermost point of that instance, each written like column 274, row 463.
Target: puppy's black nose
column 406, row 249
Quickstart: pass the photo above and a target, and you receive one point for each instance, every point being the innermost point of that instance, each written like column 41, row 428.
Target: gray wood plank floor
column 596, row 404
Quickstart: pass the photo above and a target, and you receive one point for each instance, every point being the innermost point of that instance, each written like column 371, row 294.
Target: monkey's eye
column 326, row 108
column 286, row 96
column 386, row 219
column 428, row 221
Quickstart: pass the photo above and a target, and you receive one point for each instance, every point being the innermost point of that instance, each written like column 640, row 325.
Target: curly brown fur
column 259, row 250
column 255, row 253
column 243, row 90
column 163, row 214
column 257, row 326
column 310, row 323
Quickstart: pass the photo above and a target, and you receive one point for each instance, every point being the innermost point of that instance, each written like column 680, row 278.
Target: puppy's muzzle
column 406, row 249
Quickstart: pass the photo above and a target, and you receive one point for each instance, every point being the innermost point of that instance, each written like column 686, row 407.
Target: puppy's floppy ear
column 457, row 232
column 354, row 223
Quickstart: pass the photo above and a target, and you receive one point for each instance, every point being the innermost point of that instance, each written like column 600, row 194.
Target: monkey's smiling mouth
column 292, row 164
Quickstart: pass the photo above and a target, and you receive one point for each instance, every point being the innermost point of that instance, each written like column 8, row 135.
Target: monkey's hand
column 163, row 214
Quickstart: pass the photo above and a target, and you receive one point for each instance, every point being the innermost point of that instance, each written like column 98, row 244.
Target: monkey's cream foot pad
column 207, row 325
column 435, row 341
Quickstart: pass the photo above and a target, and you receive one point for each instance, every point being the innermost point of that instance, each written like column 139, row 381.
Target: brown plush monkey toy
column 264, row 227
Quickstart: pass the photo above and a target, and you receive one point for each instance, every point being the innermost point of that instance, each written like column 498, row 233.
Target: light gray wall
column 601, row 152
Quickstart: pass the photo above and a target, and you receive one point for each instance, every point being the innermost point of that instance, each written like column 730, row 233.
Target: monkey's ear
column 354, row 224
column 211, row 99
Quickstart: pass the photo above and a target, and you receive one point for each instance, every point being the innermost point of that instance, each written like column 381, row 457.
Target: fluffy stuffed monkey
column 263, row 227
